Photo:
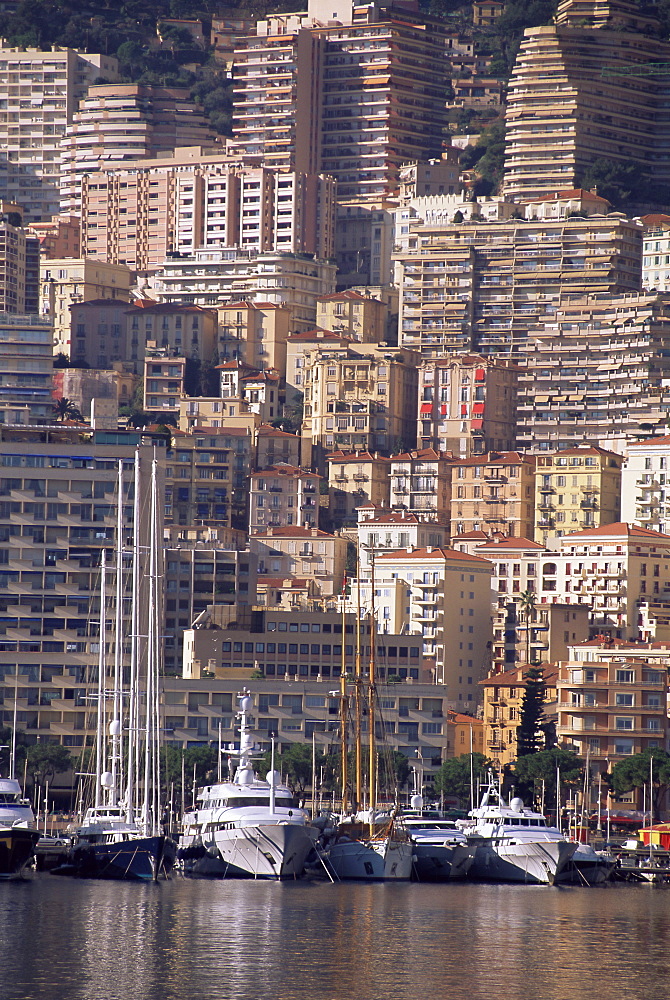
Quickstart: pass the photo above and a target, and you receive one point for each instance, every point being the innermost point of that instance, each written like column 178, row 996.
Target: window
column 624, row 699
column 623, row 722
column 625, row 677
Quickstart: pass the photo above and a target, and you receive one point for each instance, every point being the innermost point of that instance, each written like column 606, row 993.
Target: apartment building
column 254, row 332
column 421, row 483
column 467, row 404
column 61, row 237
column 197, row 198
column 163, row 383
column 643, row 484
column 448, row 594
column 356, row 479
column 503, row 697
column 210, row 277
column 488, row 286
column 19, row 264
column 390, row 531
column 620, row 571
column 581, row 90
column 59, row 513
column 68, row 281
column 41, row 92
column 308, row 553
column 300, row 346
column 126, row 122
column 282, row 495
column 597, row 371
column 206, row 477
column 274, row 446
column 254, row 391
column 656, row 253
column 201, row 569
column 26, row 369
column 360, row 398
column 495, row 493
column 576, row 488
column 612, row 700
column 361, row 318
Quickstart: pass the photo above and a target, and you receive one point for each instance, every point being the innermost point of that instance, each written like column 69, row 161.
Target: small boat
column 247, row 827
column 587, row 867
column 370, row 848
column 440, row 850
column 514, row 843
column 18, row 835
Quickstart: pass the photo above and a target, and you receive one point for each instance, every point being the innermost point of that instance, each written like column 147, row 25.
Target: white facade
column 645, row 484
column 656, row 259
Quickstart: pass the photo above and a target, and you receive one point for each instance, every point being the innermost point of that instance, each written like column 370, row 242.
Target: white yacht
column 247, row 827
column 18, row 835
column 440, row 850
column 380, row 850
column 514, row 843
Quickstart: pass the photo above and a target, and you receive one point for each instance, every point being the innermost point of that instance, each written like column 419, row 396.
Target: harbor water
column 65, row 939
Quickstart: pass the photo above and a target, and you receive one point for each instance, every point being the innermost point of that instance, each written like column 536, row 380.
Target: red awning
column 464, row 409
column 477, row 425
column 443, row 409
column 480, row 375
column 426, row 407
column 478, row 408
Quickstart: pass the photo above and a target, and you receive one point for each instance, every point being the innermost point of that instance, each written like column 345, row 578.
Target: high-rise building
column 489, row 286
column 645, row 484
column 592, row 85
column 143, row 211
column 19, row 263
column 126, row 122
column 40, row 92
column 26, row 369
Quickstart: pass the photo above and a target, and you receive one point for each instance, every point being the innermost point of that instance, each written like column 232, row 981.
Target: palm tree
column 65, row 409
column 527, row 605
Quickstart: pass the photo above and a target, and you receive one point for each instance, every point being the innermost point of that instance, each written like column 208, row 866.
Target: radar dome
column 244, row 776
column 107, row 779
column 273, row 777
column 516, row 805
column 416, row 802
column 245, row 704
column 115, row 728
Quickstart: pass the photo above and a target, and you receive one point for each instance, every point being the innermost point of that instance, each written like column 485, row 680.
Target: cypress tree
column 530, row 738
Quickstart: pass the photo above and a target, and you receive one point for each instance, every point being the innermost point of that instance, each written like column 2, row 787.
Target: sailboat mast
column 358, row 707
column 15, row 719
column 101, row 680
column 343, row 706
column 371, row 697
column 115, row 727
column 133, row 714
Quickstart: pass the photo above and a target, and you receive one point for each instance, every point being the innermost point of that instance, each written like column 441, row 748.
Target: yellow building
column 67, row 281
column 503, row 698
column 465, row 734
column 493, row 493
column 362, row 399
column 350, row 314
column 576, row 488
column 254, row 332
column 354, row 479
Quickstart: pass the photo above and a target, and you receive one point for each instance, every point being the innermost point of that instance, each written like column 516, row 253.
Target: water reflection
column 299, row 941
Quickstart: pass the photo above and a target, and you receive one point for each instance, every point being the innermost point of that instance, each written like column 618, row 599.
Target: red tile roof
column 620, row 529
column 436, row 552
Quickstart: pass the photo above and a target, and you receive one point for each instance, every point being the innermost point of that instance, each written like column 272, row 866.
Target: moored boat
column 440, row 850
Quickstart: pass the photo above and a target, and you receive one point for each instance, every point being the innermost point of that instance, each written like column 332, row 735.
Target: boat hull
column 441, row 862
column 144, row 859
column 17, row 852
column 269, row 851
column 531, row 862
column 380, row 859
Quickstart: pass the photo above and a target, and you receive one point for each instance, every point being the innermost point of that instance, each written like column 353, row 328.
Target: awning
column 478, row 408
column 477, row 425
column 480, row 374
column 426, row 407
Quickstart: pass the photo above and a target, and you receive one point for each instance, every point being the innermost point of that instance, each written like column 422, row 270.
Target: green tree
column 534, row 768
column 45, row 760
column 621, row 183
column 529, row 734
column 636, row 771
column 453, row 777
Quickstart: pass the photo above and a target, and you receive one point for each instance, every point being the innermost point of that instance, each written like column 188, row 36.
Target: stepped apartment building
column 591, row 85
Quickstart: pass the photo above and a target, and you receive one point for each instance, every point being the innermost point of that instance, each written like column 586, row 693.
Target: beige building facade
column 493, row 493
column 576, row 488
column 68, row 281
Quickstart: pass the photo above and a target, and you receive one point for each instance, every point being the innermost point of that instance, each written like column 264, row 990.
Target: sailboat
column 368, row 844
column 247, row 827
column 121, row 836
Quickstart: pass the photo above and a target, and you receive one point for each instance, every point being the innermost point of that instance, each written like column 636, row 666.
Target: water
column 64, row 939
